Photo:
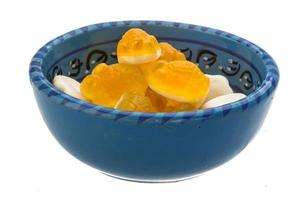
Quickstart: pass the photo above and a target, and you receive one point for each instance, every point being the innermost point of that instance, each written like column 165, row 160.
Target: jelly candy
column 219, row 86
column 222, row 100
column 158, row 101
column 163, row 104
column 169, row 53
column 181, row 81
column 107, row 84
column 67, row 85
column 150, row 77
column 137, row 47
column 133, row 101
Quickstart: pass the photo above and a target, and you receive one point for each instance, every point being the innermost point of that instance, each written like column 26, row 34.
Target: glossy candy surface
column 169, row 53
column 108, row 83
column 181, row 81
column 138, row 47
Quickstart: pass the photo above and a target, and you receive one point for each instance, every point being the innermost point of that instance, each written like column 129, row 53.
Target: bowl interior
column 75, row 55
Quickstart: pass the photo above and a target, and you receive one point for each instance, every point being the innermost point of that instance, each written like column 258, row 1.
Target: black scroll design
column 94, row 58
column 232, row 68
column 207, row 58
column 75, row 65
column 55, row 71
column 247, row 80
column 188, row 53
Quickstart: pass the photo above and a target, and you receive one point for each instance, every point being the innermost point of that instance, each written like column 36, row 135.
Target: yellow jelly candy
column 163, row 104
column 149, row 67
column 133, row 101
column 100, row 67
column 137, row 47
column 175, row 106
column 107, row 84
column 158, row 101
column 181, row 81
column 169, row 53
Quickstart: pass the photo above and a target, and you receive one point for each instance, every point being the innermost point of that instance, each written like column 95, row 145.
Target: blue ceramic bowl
column 154, row 147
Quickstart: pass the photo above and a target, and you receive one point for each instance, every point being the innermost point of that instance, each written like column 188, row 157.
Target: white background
column 34, row 166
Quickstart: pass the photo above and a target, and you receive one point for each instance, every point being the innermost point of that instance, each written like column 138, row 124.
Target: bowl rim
column 39, row 81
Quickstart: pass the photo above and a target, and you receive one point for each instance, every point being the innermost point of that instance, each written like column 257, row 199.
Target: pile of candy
column 149, row 77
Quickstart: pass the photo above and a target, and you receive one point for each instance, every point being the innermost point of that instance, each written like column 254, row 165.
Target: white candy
column 222, row 100
column 219, row 86
column 67, row 85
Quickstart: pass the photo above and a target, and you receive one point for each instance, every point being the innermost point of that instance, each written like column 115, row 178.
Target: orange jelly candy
column 138, row 47
column 150, row 77
column 133, row 101
column 169, row 53
column 158, row 101
column 107, row 84
column 180, row 81
column 163, row 104
column 149, row 67
column 175, row 106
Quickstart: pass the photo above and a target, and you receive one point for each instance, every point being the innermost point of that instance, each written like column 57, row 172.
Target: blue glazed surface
column 154, row 146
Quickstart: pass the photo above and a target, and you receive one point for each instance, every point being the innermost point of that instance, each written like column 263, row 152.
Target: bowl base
column 151, row 180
